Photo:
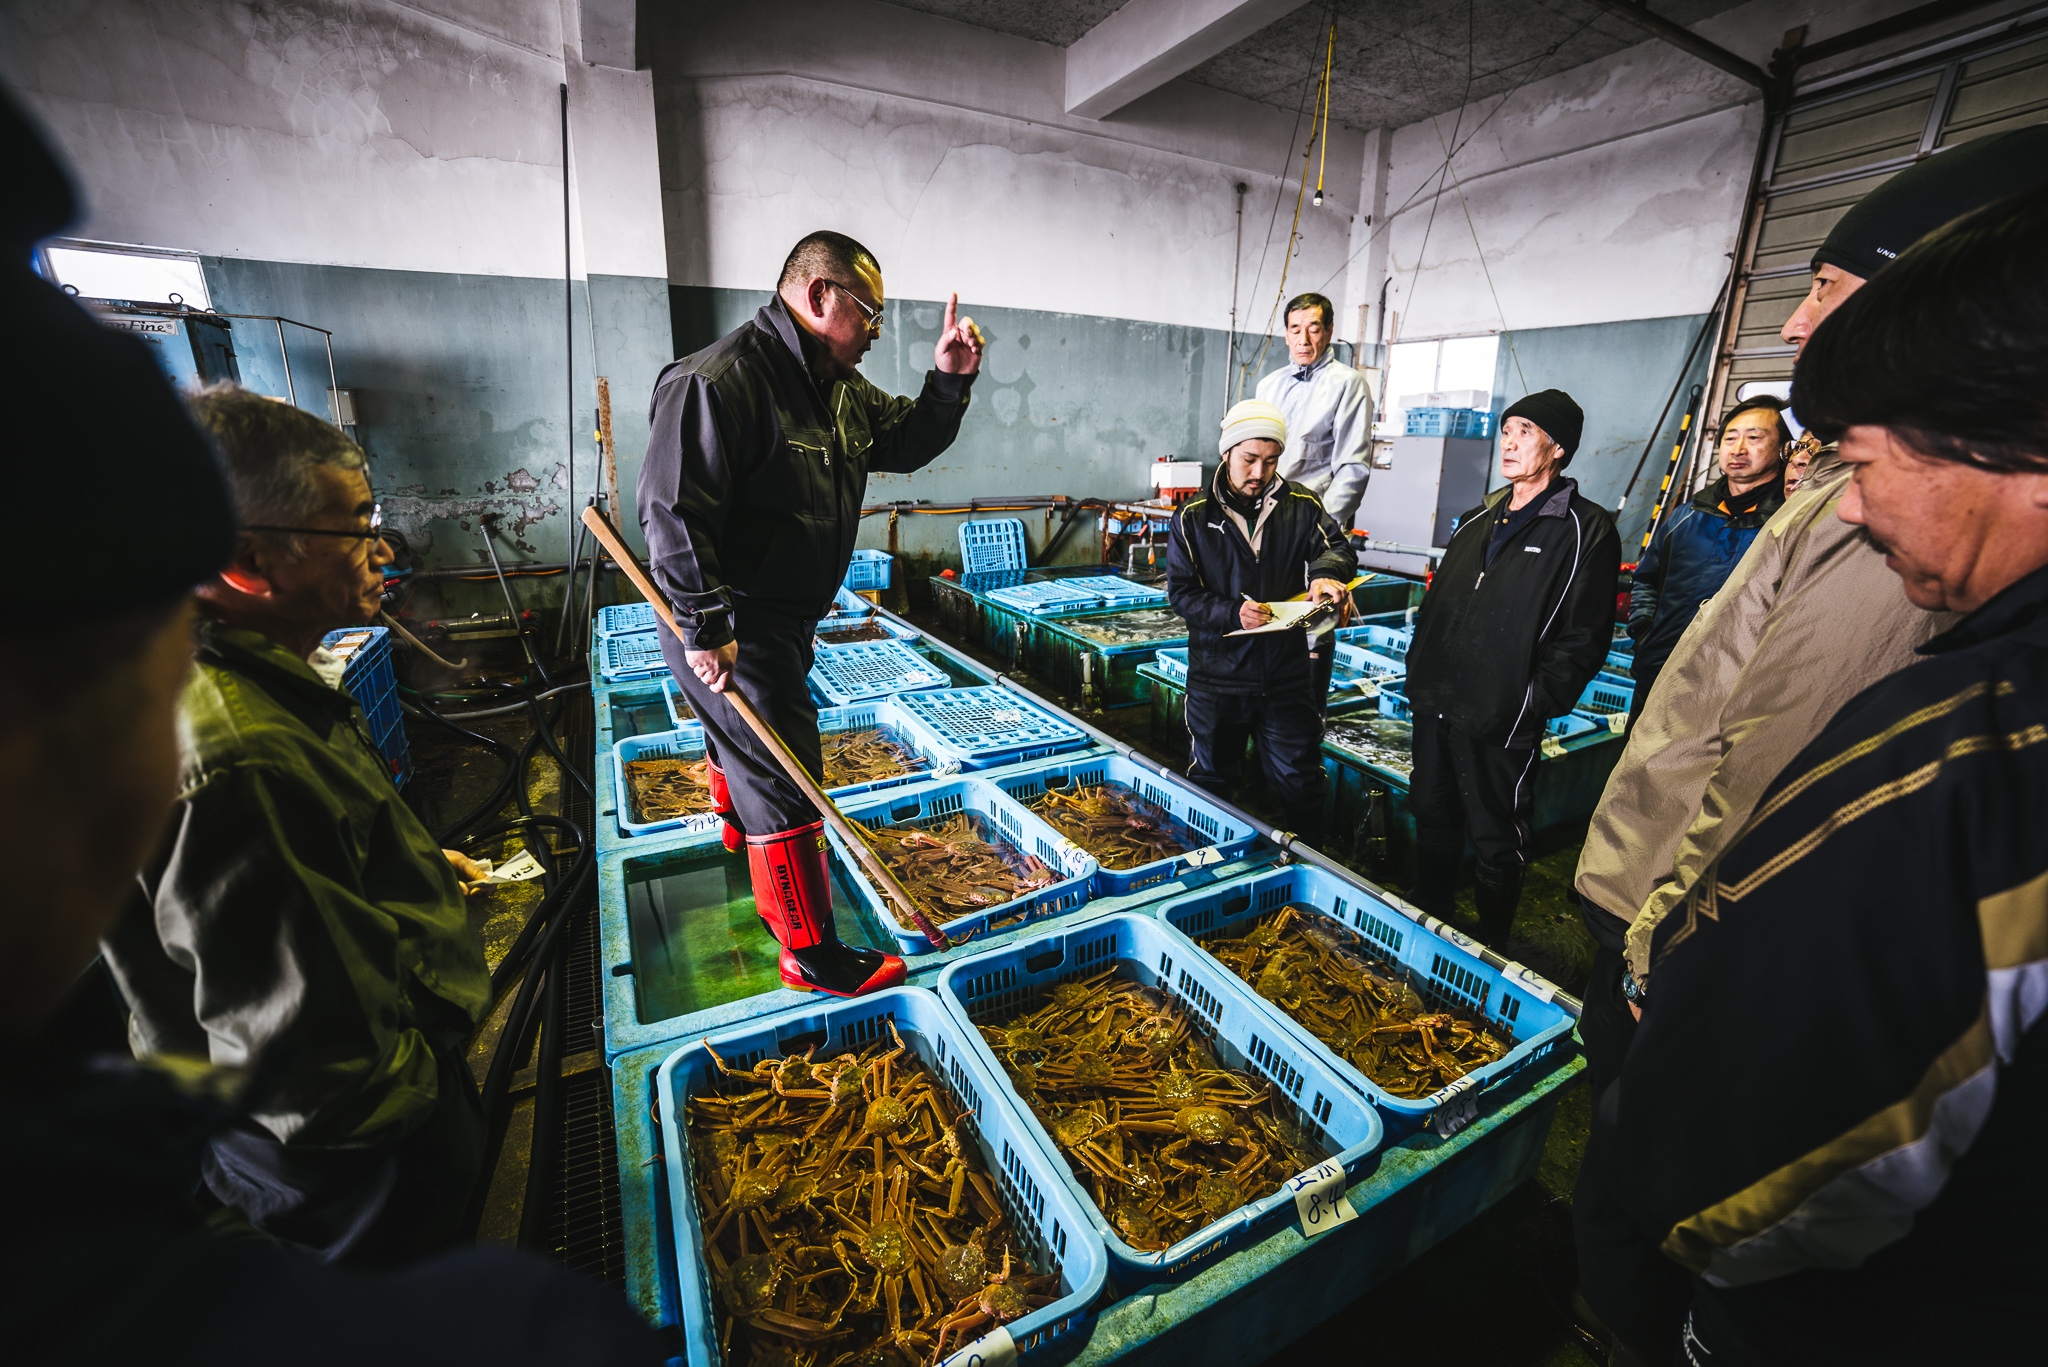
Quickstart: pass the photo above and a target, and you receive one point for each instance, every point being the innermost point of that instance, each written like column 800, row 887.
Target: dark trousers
column 1644, row 675
column 1486, row 790
column 774, row 660
column 378, row 1206
column 1288, row 727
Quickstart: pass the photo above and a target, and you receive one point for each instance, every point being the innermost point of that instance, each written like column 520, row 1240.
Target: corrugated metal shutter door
column 1834, row 148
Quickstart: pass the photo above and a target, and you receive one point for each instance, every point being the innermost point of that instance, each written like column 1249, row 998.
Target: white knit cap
column 1251, row 420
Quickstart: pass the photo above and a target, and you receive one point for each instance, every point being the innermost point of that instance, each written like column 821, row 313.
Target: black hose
column 514, row 766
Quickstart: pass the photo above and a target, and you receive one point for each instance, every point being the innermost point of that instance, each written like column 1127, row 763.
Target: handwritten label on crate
column 1456, row 1107
column 1552, row 747
column 996, row 1349
column 1319, row 1199
column 1617, row 722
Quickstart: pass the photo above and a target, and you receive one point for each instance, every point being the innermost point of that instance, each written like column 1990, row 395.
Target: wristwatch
column 1632, row 991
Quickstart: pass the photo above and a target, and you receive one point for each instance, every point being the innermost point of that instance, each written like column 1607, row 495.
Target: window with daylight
column 1453, row 372
column 140, row 275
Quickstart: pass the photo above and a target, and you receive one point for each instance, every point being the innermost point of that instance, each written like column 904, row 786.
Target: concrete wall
column 1097, row 255
column 392, row 172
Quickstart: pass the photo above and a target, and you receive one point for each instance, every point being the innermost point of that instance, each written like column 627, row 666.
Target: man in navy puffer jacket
column 1697, row 548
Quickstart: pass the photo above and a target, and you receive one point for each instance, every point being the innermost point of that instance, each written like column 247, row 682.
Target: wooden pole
column 630, row 565
column 604, row 435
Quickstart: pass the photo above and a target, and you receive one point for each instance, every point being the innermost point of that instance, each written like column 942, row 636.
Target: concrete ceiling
column 1397, row 61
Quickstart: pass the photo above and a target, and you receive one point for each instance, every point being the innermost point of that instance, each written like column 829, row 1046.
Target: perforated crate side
column 1445, row 966
column 992, row 544
column 1052, row 1230
column 869, row 570
column 1327, row 1110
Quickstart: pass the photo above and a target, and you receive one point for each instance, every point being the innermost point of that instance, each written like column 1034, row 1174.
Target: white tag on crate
column 1552, row 747
column 1208, row 854
column 993, row 1349
column 1529, row 982
column 1319, row 1199
column 1075, row 858
column 1617, row 722
column 1006, row 717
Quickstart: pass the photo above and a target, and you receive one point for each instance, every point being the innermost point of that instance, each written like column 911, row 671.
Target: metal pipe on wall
column 568, row 332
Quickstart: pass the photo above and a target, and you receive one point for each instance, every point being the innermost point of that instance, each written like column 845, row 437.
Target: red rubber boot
column 793, row 895
column 734, row 835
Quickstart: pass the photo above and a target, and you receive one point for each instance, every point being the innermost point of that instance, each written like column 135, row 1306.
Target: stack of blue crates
column 370, row 681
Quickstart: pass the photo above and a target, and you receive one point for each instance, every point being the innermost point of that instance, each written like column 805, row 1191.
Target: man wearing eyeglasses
column 299, row 922
column 750, row 498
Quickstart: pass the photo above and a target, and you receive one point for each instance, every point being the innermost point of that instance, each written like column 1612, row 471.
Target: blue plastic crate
column 847, row 603
column 1621, row 662
column 636, row 655
column 871, row 669
column 869, row 570
column 623, row 619
column 1606, row 694
column 1053, row 1230
column 1000, row 984
column 1444, row 967
column 369, row 679
column 1117, row 591
column 1228, row 836
column 1045, row 596
column 1173, row 663
column 1449, row 422
column 921, row 803
column 678, row 702
column 1394, row 706
column 893, row 629
column 686, row 743
column 982, row 728
column 1392, row 642
column 991, row 544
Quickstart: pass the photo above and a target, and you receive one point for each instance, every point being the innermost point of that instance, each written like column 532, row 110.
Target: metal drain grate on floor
column 584, row 1229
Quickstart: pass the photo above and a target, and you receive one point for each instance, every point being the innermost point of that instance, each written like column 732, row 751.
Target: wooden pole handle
column 613, row 543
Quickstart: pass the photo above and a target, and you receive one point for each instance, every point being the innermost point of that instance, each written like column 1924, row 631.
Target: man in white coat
column 1328, row 409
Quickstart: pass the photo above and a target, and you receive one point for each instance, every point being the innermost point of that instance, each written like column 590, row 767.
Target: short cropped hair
column 269, row 450
column 1947, row 347
column 824, row 253
column 1311, row 301
column 1767, row 402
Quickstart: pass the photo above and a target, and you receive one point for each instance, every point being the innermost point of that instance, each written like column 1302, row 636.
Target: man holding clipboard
column 1253, row 540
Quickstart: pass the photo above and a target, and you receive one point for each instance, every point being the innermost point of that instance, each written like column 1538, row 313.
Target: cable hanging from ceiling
column 1318, row 142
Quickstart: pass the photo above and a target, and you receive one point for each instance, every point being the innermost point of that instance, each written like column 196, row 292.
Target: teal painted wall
column 1068, row 403
column 1620, row 373
column 461, row 393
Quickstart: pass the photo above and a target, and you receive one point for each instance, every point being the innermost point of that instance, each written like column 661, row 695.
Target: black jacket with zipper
column 1212, row 566
column 754, row 480
column 1500, row 649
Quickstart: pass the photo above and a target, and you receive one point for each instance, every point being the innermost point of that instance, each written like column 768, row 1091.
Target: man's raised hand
column 960, row 342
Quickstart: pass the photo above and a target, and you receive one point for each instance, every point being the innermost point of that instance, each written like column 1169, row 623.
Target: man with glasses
column 299, row 922
column 750, row 499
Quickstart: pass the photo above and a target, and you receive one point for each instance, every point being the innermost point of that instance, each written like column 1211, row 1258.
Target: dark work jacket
column 109, row 1259
column 1211, row 568
column 1837, row 1094
column 754, row 480
column 1688, row 560
column 1501, row 649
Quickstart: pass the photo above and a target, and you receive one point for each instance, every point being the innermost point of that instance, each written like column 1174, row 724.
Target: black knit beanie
column 1922, row 197
column 121, row 504
column 1557, row 413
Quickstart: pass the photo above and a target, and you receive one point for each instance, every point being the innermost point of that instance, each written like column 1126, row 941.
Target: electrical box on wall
column 1416, row 498
column 194, row 349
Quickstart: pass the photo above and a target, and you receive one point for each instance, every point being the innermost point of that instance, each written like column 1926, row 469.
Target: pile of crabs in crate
column 1152, row 1041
